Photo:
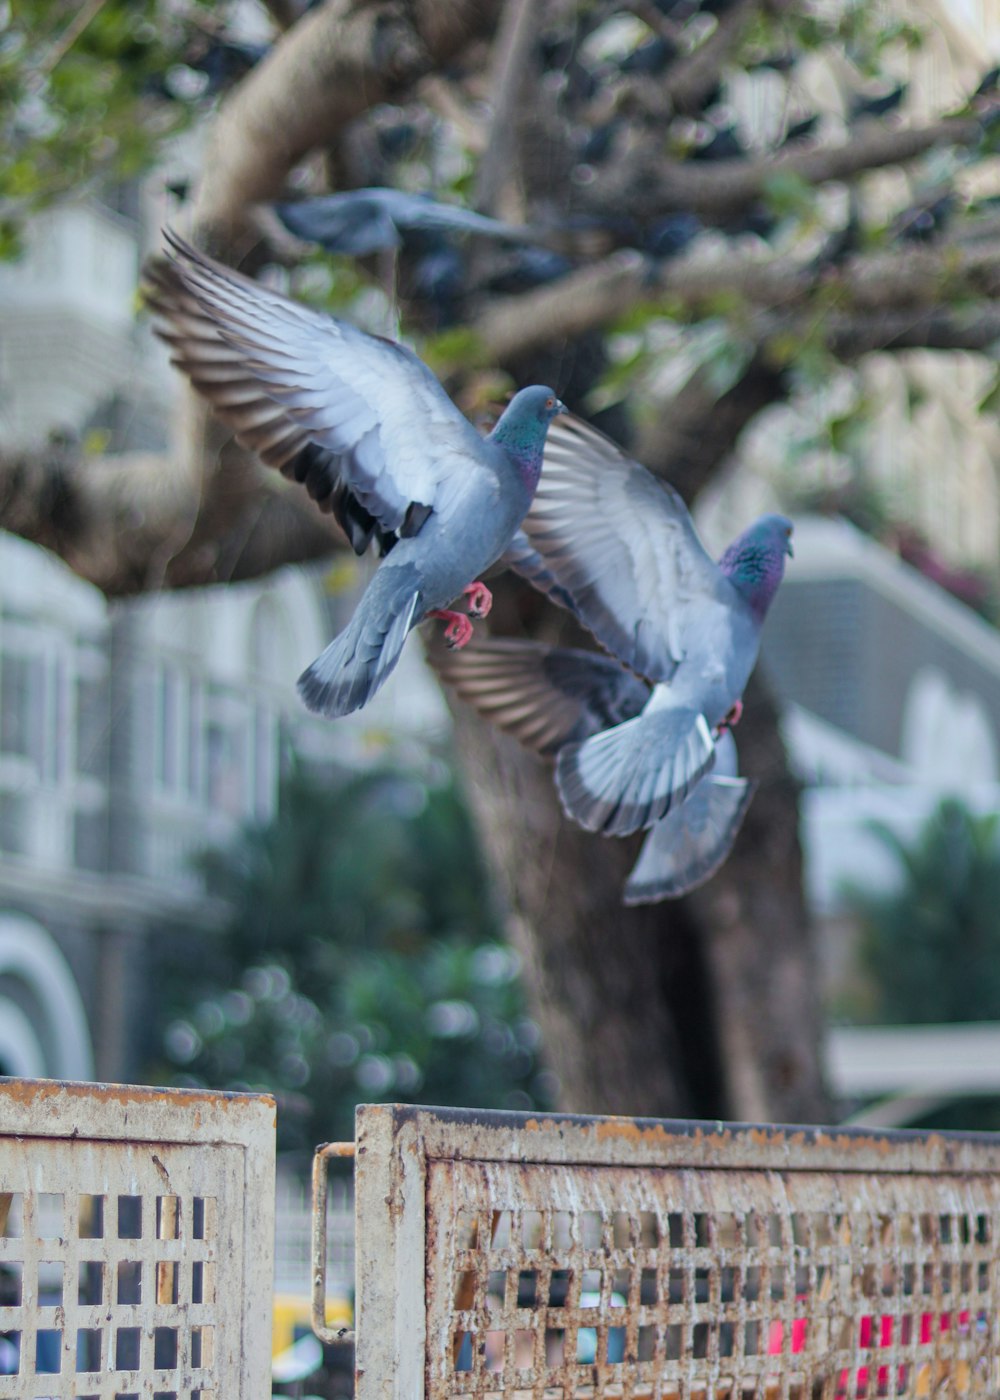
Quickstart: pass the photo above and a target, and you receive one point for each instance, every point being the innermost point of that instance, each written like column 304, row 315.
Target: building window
column 265, row 763
column 15, row 814
column 225, row 757
column 22, row 707
column 92, row 727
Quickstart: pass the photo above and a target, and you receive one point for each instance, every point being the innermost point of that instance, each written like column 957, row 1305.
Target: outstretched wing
column 622, row 546
column 545, row 696
column 315, row 397
column 366, row 220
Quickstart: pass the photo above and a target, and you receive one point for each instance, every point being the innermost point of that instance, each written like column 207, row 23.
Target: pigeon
column 366, row 426
column 550, row 696
column 366, row 221
column 618, row 546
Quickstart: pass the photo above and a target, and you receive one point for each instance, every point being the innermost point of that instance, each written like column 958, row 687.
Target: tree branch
column 699, row 429
column 649, row 185
column 601, row 293
column 339, row 60
column 512, row 69
column 124, row 523
column 691, row 79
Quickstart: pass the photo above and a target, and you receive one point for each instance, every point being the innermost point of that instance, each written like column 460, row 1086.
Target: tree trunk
column 703, row 1007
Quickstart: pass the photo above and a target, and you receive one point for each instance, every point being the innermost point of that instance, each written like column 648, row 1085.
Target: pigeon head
column 522, row 427
column 755, row 561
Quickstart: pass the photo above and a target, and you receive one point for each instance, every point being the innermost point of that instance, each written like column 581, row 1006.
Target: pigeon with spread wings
column 367, row 428
column 618, row 546
column 551, row 696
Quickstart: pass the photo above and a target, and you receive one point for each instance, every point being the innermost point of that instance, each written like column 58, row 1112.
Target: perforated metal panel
column 563, row 1259
column 136, row 1237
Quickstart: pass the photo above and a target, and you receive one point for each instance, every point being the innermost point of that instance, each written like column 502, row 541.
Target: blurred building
column 890, row 691
column 132, row 735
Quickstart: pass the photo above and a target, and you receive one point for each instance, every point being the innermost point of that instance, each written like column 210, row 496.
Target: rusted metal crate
column 136, row 1243
column 564, row 1258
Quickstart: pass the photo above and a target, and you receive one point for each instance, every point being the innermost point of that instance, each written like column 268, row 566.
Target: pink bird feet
column 458, row 632
column 480, row 599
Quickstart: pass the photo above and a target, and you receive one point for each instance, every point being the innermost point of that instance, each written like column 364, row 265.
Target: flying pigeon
column 365, row 221
column 366, row 426
column 550, row 696
column 618, row 546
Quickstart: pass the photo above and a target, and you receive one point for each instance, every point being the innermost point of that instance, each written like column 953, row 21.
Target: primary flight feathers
column 618, row 546
column 373, row 436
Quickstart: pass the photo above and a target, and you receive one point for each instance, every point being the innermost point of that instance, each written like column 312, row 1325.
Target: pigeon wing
column 285, row 377
column 522, row 557
column 622, row 546
column 366, row 220
column 545, row 696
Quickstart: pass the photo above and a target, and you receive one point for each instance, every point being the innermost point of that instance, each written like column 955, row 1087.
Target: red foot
column 459, row 629
column 480, row 599
column 734, row 716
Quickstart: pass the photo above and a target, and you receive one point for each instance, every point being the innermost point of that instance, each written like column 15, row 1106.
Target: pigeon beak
column 560, row 408
column 788, row 548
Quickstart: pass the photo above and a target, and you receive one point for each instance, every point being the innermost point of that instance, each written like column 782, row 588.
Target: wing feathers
column 284, row 376
column 622, row 545
column 544, row 696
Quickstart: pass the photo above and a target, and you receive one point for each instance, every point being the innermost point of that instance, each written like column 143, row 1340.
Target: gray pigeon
column 371, row 220
column 550, row 696
column 368, row 428
column 620, row 547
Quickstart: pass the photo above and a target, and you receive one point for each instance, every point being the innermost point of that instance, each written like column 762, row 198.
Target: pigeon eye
column 550, row 403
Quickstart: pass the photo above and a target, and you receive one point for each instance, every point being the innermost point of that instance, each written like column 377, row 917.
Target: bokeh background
column 768, row 261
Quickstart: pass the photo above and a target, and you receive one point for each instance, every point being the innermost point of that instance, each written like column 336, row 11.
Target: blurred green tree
column 89, row 93
column 932, row 945
column 361, row 961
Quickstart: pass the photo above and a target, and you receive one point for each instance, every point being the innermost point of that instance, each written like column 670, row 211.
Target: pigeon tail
column 358, row 661
column 629, row 777
column 689, row 845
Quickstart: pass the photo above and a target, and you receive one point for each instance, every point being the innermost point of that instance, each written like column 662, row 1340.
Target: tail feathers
column 687, row 847
column 630, row 776
column 358, row 661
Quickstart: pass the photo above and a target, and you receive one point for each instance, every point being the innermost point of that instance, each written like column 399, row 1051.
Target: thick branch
column 339, row 60
column 648, row 185
column 691, row 79
column 692, row 436
column 600, row 294
column 512, row 72
column 124, row 523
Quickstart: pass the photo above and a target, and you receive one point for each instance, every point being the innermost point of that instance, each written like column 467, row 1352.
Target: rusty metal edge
column 500, row 1135
column 58, row 1109
column 337, row 1335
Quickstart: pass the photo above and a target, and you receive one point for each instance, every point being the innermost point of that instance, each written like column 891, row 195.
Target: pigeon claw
column 458, row 632
column 733, row 717
column 480, row 599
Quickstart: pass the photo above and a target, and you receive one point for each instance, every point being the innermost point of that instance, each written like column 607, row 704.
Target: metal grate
column 136, row 1235
column 563, row 1259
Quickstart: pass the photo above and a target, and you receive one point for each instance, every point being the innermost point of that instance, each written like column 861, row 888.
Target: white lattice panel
column 506, row 1256
column 135, row 1243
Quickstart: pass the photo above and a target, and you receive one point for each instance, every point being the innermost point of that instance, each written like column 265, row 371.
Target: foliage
column 932, row 946
column 361, row 961
column 86, row 97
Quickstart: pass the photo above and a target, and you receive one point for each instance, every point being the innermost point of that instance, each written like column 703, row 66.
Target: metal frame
column 136, row 1241
column 786, row 1263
